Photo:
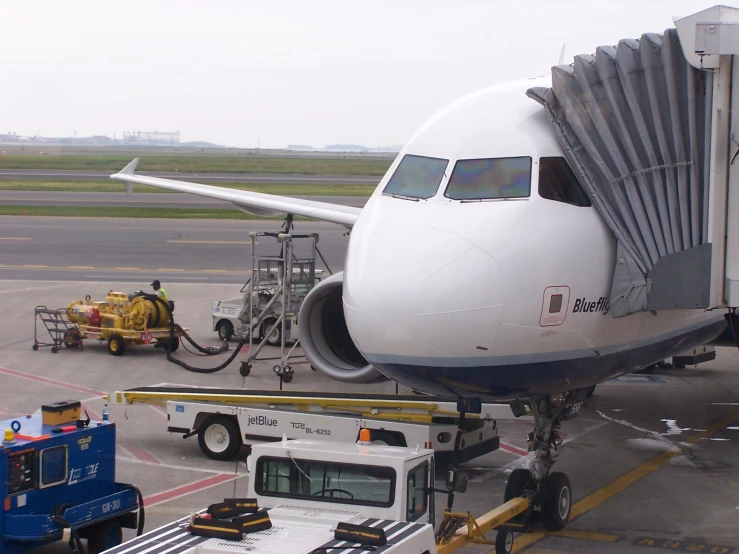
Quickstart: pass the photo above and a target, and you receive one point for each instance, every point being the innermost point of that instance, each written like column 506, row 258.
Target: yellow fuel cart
column 123, row 320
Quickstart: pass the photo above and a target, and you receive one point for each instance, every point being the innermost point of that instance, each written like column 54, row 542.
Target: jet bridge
column 649, row 127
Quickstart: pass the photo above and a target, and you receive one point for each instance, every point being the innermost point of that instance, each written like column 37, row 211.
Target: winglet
column 130, row 168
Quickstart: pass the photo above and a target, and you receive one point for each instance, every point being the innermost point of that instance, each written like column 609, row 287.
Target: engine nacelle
column 325, row 338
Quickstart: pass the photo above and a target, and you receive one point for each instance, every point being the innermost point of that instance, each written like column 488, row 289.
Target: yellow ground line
column 169, row 269
column 78, row 267
column 213, row 241
column 598, row 497
column 37, row 266
column 129, row 268
column 15, row 238
column 216, row 271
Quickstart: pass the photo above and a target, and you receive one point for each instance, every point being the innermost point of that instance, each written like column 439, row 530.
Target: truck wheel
column 72, row 338
column 174, row 343
column 504, row 541
column 275, row 337
column 556, row 501
column 219, row 437
column 116, row 346
column 382, row 437
column 225, row 330
column 105, row 536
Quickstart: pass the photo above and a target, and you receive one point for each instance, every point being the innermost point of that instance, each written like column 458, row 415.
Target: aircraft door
column 555, row 305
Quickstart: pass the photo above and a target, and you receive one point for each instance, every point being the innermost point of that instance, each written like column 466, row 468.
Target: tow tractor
column 57, row 479
column 310, row 496
column 224, row 420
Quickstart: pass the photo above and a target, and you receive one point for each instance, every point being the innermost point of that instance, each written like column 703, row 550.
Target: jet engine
column 325, row 338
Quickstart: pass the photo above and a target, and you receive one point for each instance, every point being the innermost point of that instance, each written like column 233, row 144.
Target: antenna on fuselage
column 562, row 54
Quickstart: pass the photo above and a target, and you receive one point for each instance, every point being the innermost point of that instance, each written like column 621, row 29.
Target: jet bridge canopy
column 645, row 126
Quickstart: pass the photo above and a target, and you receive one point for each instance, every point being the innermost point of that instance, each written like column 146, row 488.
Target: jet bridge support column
column 710, row 42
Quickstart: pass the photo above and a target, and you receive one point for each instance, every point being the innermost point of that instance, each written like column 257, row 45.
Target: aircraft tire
column 556, row 501
column 518, row 481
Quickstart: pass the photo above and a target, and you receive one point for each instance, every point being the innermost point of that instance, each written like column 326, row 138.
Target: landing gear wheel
column 219, row 437
column 520, row 482
column 245, row 369
column 504, row 541
column 107, row 535
column 556, row 501
column 116, row 345
column 275, row 336
column 225, row 330
column 591, row 390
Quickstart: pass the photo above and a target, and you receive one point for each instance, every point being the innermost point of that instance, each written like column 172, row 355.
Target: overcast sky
column 280, row 72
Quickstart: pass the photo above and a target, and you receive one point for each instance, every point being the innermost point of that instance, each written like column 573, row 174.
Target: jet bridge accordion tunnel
column 648, row 128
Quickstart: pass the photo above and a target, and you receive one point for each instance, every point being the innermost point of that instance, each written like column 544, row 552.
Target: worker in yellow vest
column 159, row 290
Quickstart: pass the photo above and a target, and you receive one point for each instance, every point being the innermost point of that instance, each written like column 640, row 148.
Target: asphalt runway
column 653, row 459
column 140, row 250
column 141, row 199
column 290, row 178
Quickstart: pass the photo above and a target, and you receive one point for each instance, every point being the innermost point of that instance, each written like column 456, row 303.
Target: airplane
column 461, row 289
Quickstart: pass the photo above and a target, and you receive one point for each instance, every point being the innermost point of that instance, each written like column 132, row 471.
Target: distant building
column 151, row 138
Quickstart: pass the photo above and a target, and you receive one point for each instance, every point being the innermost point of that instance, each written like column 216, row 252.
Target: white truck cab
column 383, row 482
column 314, row 496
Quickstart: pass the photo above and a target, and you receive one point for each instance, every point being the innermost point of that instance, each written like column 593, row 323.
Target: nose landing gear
column 550, row 492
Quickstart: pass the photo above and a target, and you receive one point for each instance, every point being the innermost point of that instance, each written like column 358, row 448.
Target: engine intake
column 325, row 338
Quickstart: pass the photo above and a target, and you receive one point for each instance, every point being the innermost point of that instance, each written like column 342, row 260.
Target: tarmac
column 652, row 458
column 140, row 250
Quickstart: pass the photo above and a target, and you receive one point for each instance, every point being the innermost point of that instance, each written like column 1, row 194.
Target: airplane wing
column 250, row 202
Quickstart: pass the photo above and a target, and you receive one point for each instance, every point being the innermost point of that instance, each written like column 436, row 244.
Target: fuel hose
column 174, row 329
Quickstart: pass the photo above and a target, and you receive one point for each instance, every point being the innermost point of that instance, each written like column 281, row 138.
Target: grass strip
column 282, row 189
column 202, row 164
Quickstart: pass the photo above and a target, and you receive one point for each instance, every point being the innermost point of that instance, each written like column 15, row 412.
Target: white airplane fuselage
column 446, row 296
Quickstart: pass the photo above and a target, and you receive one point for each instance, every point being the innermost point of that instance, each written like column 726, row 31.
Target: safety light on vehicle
column 9, row 437
column 364, row 437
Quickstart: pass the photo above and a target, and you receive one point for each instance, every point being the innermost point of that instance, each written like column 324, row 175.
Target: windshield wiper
column 297, row 466
column 401, row 196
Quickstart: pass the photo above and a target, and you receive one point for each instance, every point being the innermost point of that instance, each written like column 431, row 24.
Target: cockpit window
column 417, row 177
column 490, row 178
column 557, row 182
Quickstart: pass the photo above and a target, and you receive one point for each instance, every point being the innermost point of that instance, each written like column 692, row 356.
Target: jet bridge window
column 326, row 481
column 490, row 179
column 557, row 182
column 416, row 177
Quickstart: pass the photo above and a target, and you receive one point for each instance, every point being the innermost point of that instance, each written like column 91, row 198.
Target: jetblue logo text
column 583, row 305
column 261, row 420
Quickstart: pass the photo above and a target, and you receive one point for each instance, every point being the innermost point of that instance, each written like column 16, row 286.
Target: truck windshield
column 322, row 481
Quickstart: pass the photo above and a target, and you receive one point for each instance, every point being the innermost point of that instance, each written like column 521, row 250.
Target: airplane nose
column 421, row 293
